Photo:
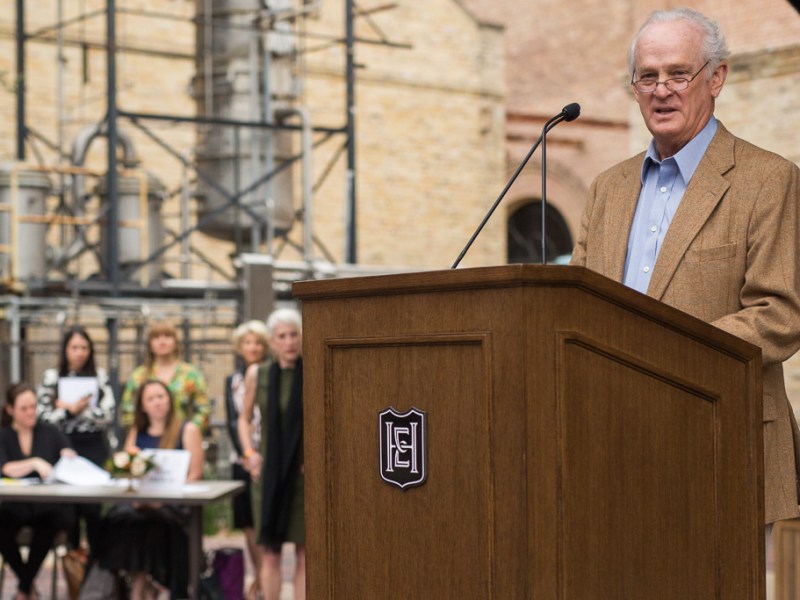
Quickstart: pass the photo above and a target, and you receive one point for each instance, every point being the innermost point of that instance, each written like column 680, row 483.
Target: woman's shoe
column 252, row 591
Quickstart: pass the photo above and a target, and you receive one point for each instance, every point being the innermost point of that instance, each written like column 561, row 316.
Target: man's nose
column 662, row 91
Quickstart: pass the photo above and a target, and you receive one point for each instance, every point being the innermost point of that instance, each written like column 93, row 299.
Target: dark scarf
column 282, row 461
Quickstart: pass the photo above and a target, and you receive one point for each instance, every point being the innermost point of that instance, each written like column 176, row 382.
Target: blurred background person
column 186, row 382
column 250, row 340
column 29, row 448
column 148, row 541
column 276, row 387
column 87, row 424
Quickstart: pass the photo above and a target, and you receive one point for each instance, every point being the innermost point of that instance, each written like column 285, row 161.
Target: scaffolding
column 109, row 268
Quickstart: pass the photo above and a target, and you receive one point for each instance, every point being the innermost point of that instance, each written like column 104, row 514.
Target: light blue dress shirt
column 663, row 185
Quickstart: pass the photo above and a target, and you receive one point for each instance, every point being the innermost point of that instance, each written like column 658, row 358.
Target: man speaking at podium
column 706, row 222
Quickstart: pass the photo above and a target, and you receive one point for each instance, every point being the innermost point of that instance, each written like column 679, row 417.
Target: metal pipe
column 185, row 196
column 80, row 148
column 112, row 258
column 20, row 80
column 237, row 188
column 350, row 218
column 307, row 181
column 208, row 58
column 269, row 151
column 15, row 367
column 60, row 61
column 134, row 116
column 254, row 106
column 112, row 326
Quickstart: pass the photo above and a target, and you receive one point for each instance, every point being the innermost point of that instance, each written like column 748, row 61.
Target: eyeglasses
column 673, row 84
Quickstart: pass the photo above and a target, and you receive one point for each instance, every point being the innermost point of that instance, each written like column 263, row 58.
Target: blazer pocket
column 709, row 254
column 770, row 409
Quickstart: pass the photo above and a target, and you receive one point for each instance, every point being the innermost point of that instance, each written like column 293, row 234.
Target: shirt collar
column 688, row 157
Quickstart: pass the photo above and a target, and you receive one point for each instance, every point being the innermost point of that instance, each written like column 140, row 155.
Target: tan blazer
column 732, row 258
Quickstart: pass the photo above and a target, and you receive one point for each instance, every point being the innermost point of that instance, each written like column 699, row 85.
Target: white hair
column 287, row 316
column 714, row 49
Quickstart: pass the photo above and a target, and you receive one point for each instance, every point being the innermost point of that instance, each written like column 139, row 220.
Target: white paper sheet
column 77, row 470
column 72, row 389
column 172, row 468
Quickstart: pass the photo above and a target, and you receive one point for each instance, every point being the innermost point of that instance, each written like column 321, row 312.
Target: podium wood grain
column 584, row 441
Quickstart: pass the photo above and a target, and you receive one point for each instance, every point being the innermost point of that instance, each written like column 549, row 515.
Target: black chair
column 24, row 538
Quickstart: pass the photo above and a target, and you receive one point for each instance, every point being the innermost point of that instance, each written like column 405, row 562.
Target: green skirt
column 297, row 523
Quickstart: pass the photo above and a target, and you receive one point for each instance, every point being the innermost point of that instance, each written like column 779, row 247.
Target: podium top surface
column 528, row 276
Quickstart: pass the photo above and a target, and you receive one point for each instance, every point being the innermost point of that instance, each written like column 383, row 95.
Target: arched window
column 525, row 234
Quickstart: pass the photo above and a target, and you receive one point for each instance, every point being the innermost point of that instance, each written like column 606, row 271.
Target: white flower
column 121, row 460
column 138, row 466
column 50, row 378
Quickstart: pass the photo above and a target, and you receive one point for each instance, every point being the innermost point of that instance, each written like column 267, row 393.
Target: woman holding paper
column 149, row 541
column 276, row 387
column 29, row 448
column 77, row 398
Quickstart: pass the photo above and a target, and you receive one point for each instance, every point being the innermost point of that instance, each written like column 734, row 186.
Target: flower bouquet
column 129, row 465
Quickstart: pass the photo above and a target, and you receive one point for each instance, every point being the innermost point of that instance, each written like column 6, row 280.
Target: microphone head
column 571, row 111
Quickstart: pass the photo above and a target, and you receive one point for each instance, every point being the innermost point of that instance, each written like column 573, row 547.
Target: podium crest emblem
column 403, row 447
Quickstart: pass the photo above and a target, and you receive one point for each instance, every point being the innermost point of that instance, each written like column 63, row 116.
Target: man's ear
column 718, row 79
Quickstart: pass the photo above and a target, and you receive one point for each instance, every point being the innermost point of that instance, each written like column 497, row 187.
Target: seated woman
column 149, row 542
column 29, row 448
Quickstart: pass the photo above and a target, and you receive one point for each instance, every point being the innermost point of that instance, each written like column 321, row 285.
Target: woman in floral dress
column 162, row 363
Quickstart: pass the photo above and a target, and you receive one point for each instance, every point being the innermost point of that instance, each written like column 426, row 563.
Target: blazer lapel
column 619, row 218
column 705, row 190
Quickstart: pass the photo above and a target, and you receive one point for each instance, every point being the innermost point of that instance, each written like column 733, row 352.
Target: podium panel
column 651, row 436
column 580, row 441
column 420, row 530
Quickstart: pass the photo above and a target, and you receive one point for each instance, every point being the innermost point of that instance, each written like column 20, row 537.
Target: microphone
column 569, row 113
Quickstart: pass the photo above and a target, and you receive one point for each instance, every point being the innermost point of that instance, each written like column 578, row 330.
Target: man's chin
column 665, row 130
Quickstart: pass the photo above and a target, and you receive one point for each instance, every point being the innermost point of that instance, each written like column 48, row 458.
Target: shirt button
column 653, row 228
column 646, row 269
column 663, row 189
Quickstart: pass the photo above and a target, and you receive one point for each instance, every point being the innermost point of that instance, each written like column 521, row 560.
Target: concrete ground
column 223, row 540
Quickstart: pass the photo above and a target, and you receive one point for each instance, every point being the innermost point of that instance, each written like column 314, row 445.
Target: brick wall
column 430, row 120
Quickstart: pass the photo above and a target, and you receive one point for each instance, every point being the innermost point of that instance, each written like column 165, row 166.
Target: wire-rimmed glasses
column 673, row 84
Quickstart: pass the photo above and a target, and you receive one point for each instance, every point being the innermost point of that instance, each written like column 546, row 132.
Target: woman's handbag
column 228, row 565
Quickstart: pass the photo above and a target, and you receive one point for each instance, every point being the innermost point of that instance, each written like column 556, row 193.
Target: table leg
column 195, row 550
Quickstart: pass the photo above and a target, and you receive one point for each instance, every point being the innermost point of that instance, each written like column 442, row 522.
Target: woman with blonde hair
column 250, row 340
column 184, row 381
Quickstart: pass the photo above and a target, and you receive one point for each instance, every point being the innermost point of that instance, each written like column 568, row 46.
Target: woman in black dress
column 149, row 541
column 276, row 387
column 29, row 448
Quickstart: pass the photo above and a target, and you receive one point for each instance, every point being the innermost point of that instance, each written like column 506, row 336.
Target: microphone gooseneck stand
column 569, row 113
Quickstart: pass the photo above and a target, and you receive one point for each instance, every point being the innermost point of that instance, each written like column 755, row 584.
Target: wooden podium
column 578, row 441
